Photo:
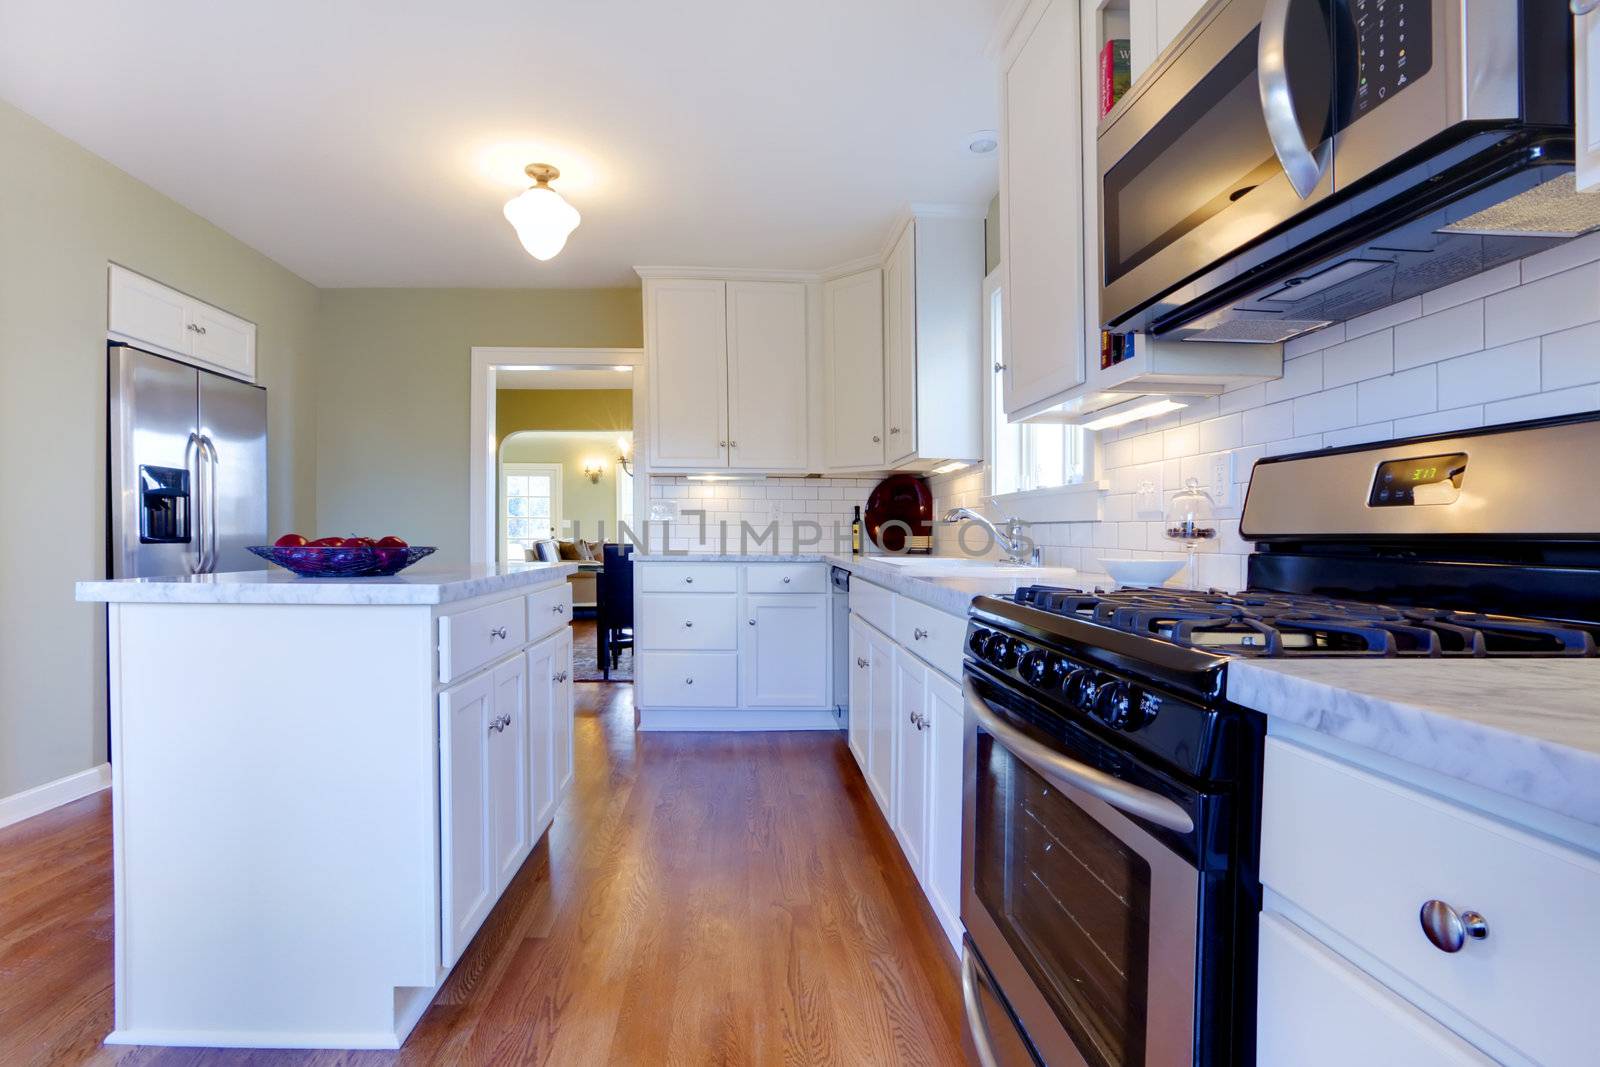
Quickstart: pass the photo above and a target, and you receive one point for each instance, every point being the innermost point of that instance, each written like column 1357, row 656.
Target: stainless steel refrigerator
column 188, row 468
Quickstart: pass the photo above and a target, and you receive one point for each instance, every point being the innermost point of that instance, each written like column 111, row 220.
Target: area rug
column 586, row 668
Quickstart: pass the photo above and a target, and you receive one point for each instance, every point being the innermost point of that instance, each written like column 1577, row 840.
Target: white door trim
column 483, row 478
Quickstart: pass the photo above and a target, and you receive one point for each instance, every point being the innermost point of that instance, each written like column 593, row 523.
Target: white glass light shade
column 542, row 220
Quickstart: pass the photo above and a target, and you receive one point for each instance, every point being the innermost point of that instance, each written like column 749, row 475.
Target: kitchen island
column 320, row 787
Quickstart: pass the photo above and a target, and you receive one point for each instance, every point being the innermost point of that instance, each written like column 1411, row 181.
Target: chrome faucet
column 1017, row 548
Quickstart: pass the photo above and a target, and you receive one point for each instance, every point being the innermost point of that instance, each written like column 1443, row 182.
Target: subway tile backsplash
column 703, row 516
column 1521, row 341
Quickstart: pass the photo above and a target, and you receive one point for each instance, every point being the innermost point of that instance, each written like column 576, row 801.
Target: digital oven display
column 1402, row 483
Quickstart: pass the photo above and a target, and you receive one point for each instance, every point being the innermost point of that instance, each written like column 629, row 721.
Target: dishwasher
column 840, row 578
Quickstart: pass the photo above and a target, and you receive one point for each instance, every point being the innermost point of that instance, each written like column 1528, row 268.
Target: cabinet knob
column 722, row 444
column 752, row 622
column 786, row 579
column 688, row 581
column 861, row 663
column 498, row 631
column 894, row 429
column 733, row 444
column 559, row 609
column 918, row 634
column 688, row 681
column 876, row 439
column 1449, row 929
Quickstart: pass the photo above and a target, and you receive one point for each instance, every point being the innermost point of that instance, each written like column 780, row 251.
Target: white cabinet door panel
column 911, row 759
column 561, row 711
column 946, row 719
column 688, row 349
column 900, row 349
column 542, row 667
column 853, row 321
column 508, row 770
column 1041, row 201
column 467, row 882
column 1315, row 1009
column 222, row 340
column 783, row 652
column 880, row 773
column 767, row 375
column 860, row 734
column 145, row 310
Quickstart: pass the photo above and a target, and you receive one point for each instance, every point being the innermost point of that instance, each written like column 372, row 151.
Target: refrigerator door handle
column 194, row 458
column 213, row 461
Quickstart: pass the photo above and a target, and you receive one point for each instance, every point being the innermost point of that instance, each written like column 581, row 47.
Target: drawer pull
column 1449, row 929
column 559, row 609
column 498, row 631
column 861, row 662
column 688, row 624
column 499, row 723
column 918, row 634
column 688, row 581
column 785, row 579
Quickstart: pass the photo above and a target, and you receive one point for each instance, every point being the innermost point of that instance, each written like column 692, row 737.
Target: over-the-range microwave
column 1291, row 163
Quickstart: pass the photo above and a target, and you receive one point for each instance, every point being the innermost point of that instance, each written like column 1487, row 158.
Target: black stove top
column 1276, row 624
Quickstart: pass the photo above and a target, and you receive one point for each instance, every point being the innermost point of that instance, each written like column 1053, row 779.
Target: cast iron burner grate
column 1287, row 624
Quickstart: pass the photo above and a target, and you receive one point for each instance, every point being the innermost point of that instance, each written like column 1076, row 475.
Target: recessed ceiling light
column 983, row 142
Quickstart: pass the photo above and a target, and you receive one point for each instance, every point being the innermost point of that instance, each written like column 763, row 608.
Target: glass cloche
column 1189, row 521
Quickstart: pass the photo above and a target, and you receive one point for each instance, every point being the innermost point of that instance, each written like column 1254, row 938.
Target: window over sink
column 1023, row 456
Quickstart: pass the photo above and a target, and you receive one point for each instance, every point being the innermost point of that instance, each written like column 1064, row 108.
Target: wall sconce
column 624, row 453
column 593, row 469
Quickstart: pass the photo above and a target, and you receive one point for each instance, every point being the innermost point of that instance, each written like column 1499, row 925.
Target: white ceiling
column 373, row 143
column 563, row 379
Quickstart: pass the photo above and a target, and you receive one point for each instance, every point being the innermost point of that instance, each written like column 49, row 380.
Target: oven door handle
column 1300, row 163
column 982, row 1043
column 1067, row 772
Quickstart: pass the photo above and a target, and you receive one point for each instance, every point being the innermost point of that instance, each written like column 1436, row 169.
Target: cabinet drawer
column 1363, row 854
column 469, row 639
column 549, row 609
column 687, row 621
column 873, row 603
column 1317, row 1010
column 688, row 679
column 688, row 577
column 935, row 636
column 785, row 578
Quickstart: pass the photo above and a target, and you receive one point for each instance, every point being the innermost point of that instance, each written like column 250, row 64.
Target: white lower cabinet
column 783, row 652
column 508, row 770
column 1318, row 1010
column 561, row 737
column 906, row 728
column 543, row 670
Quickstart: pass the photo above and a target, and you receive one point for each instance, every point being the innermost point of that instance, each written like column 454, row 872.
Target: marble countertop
column 731, row 557
column 417, row 585
column 1529, row 728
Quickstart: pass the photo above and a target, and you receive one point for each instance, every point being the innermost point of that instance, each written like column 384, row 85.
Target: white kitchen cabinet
column 1586, row 64
column 686, row 326
column 1042, row 230
column 729, row 368
column 933, row 342
column 946, row 716
column 911, row 760
column 466, row 810
column 853, row 351
column 768, row 376
column 561, row 725
column 1154, row 24
column 544, row 664
column 1318, row 1010
column 880, row 719
column 860, row 737
column 508, row 771
column 783, row 652
column 145, row 313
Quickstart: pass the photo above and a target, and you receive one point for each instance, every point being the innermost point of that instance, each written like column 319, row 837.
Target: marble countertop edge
column 424, row 586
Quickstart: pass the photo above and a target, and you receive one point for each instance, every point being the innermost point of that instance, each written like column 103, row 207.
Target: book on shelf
column 1116, row 73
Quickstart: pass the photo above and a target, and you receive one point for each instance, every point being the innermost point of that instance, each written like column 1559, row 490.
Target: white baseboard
column 735, row 719
column 41, row 798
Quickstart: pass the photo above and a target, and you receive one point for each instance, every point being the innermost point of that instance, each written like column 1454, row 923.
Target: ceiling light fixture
column 541, row 218
column 983, row 142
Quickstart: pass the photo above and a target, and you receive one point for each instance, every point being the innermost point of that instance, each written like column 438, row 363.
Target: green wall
column 393, row 410
column 64, row 214
column 562, row 409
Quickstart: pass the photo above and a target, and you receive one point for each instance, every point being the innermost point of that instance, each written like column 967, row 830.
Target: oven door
column 1086, row 921
column 1228, row 137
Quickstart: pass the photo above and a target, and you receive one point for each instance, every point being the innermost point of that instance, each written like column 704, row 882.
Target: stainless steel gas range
column 1110, row 822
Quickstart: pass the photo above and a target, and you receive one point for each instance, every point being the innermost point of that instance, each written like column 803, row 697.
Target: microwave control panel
column 1393, row 45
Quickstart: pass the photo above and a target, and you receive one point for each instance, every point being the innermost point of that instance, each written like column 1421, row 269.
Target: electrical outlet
column 1222, row 479
column 1147, row 497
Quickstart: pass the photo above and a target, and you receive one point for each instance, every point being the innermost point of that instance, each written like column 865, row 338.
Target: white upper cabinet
column 767, row 375
column 150, row 315
column 933, row 342
column 686, row 338
column 729, row 367
column 1586, row 57
column 852, row 315
column 1043, row 230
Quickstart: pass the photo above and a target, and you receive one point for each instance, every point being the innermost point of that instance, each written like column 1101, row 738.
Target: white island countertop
column 1528, row 728
column 416, row 585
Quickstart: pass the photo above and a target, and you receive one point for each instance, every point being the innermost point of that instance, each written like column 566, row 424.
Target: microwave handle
column 1066, row 772
column 1300, row 163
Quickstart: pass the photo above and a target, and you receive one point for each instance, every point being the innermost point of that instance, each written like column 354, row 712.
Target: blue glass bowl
column 359, row 561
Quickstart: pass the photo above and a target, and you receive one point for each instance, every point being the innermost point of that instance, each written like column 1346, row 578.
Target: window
column 530, row 495
column 1026, row 456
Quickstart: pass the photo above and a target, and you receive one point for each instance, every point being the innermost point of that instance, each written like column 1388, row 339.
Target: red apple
column 328, row 542
column 290, row 540
column 359, row 542
column 391, row 541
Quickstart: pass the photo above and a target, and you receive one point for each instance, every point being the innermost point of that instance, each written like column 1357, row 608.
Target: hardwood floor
column 701, row 899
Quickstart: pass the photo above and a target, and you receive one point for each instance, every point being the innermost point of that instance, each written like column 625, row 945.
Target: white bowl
column 1141, row 571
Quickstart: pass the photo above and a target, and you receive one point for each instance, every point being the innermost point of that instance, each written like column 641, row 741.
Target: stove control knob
column 1116, row 706
column 1037, row 667
column 978, row 641
column 1005, row 654
column 1081, row 687
column 1149, row 706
